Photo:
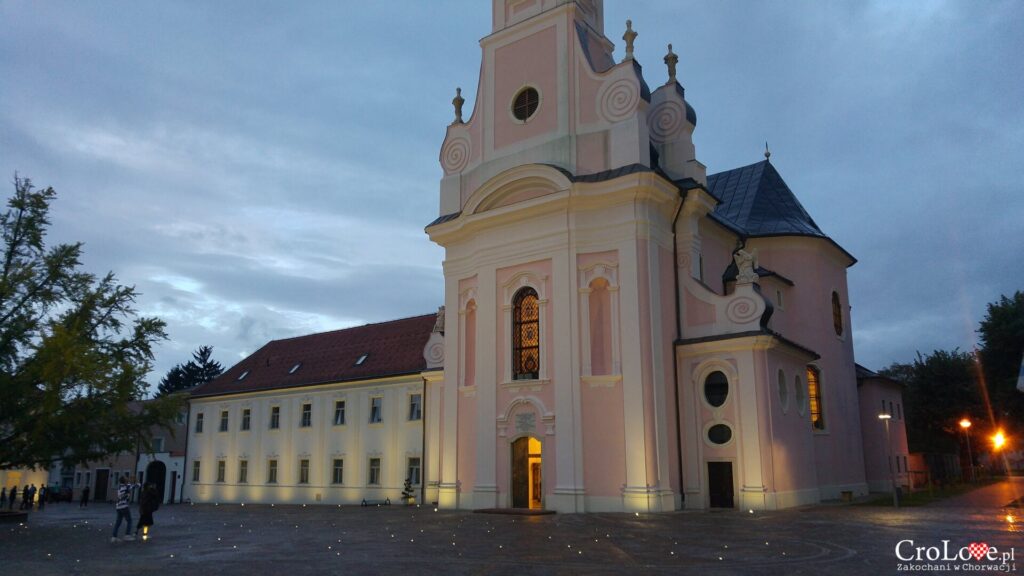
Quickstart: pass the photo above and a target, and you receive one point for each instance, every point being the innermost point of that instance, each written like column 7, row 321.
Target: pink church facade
column 660, row 385
column 621, row 331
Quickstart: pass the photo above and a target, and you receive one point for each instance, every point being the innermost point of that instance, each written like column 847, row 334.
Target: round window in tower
column 719, row 434
column 525, row 104
column 716, row 389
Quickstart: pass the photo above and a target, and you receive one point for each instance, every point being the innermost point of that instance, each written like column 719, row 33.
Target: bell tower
column 556, row 214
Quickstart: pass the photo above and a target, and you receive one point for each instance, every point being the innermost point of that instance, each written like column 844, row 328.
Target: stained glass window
column 814, row 396
column 526, row 335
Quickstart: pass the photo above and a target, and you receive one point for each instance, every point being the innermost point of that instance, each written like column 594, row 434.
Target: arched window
column 525, row 335
column 837, row 314
column 814, row 396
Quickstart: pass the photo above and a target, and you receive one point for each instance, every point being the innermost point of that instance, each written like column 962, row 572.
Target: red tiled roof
column 392, row 348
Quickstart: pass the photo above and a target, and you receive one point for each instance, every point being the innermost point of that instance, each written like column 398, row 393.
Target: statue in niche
column 457, row 102
column 746, row 262
column 629, row 37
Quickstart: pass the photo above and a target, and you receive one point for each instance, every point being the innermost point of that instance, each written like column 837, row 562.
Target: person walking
column 124, row 510
column 84, row 502
column 32, row 496
column 11, row 496
column 25, row 502
column 43, row 492
column 149, row 502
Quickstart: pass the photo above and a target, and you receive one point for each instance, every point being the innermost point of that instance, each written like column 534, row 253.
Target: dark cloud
column 261, row 170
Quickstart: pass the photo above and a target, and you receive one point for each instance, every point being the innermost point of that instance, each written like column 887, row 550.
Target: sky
column 260, row 170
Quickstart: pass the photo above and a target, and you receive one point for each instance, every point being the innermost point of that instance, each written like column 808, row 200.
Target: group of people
column 149, row 502
column 28, row 497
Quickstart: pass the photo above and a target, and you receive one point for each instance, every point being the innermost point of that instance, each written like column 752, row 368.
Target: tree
column 200, row 370
column 941, row 388
column 1002, row 346
column 73, row 353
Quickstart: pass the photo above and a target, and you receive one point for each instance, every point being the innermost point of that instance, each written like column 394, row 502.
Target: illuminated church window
column 526, row 335
column 814, row 396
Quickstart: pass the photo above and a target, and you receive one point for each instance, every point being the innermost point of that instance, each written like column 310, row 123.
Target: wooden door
column 521, row 473
column 720, row 487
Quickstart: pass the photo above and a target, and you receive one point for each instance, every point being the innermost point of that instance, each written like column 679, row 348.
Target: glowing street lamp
column 965, row 425
column 885, row 417
column 998, row 440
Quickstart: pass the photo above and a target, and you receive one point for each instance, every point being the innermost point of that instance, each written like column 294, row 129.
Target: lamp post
column 888, row 451
column 965, row 425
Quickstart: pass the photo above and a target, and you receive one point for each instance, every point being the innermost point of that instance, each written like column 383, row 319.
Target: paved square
column 233, row 539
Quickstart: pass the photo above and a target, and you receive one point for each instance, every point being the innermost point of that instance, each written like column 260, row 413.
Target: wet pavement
column 294, row 540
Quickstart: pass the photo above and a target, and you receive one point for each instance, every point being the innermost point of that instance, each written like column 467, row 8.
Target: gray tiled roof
column 757, row 202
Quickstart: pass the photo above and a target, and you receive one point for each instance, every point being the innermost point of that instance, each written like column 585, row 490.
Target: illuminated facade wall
column 387, row 444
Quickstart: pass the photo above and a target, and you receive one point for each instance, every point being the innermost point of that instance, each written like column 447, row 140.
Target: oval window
column 719, row 434
column 525, row 104
column 798, row 394
column 716, row 388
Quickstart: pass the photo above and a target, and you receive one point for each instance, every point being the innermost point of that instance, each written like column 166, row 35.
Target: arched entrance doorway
column 156, row 473
column 527, row 490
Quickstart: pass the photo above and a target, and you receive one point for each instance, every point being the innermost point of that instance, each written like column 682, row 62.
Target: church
column 620, row 331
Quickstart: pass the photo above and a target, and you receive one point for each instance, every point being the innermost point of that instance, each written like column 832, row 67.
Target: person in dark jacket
column 11, row 497
column 84, row 502
column 149, row 502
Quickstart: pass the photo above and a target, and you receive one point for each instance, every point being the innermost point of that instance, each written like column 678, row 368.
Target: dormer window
column 243, row 375
column 295, row 368
column 361, row 359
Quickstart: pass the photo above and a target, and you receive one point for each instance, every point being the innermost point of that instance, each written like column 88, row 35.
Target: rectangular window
column 415, row 406
column 376, row 409
column 221, row 468
column 338, row 476
column 243, row 471
column 339, row 412
column 271, row 471
column 275, row 417
column 307, row 416
column 158, row 444
column 195, row 471
column 199, row 423
column 905, row 469
column 374, row 477
column 897, row 463
column 899, row 412
column 246, row 418
column 223, row 420
column 413, row 471
column 303, row 471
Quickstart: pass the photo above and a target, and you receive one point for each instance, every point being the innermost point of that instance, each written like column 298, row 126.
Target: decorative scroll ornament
column 742, row 310
column 455, row 155
column 619, row 99
column 666, row 120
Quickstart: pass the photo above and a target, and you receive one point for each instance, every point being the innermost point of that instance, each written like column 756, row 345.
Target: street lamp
column 892, row 472
column 965, row 425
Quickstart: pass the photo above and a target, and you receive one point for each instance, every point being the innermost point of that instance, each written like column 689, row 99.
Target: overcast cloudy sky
column 262, row 170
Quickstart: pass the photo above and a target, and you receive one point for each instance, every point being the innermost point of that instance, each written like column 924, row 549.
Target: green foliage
column 200, row 370
column 944, row 387
column 1002, row 338
column 73, row 354
column 940, row 389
